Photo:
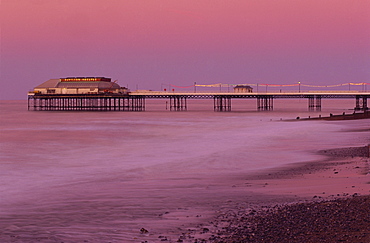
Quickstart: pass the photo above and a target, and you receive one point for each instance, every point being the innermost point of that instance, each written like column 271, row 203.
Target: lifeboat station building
column 79, row 85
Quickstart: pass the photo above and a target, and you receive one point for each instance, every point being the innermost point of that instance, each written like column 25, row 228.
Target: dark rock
column 143, row 231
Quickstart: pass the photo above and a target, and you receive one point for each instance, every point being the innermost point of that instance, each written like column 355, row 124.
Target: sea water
column 104, row 175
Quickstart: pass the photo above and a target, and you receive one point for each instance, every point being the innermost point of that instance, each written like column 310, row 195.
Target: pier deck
column 222, row 101
column 135, row 101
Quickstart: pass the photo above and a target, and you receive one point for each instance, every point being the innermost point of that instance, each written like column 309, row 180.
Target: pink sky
column 146, row 43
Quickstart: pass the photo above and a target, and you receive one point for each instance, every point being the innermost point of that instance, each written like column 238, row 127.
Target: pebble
column 338, row 220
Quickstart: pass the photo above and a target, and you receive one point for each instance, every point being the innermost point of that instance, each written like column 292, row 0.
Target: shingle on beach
column 339, row 220
column 324, row 220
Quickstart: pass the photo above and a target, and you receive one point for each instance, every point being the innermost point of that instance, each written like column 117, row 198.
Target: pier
column 135, row 101
column 101, row 94
column 85, row 102
column 265, row 101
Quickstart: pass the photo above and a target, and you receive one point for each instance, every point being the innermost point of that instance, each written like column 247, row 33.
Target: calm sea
column 69, row 176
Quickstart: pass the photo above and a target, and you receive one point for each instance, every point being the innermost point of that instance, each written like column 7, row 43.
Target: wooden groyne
column 343, row 116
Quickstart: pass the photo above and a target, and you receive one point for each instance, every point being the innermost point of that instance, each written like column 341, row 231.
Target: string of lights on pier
column 270, row 85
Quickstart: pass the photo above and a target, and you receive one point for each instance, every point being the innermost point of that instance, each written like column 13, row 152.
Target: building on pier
column 79, row 85
column 83, row 94
column 243, row 89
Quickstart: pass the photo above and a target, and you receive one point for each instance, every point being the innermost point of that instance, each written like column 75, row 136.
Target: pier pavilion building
column 79, row 85
column 83, row 94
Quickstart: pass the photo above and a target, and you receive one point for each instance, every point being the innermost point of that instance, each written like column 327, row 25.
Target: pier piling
column 361, row 103
column 265, row 102
column 86, row 103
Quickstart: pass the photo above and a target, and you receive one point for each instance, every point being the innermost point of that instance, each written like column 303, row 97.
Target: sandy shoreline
column 336, row 190
column 221, row 213
column 257, row 204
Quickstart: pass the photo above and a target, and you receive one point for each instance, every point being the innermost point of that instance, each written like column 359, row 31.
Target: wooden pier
column 265, row 101
column 86, row 102
column 135, row 101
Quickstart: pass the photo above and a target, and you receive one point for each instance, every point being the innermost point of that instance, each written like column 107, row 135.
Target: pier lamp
column 299, row 87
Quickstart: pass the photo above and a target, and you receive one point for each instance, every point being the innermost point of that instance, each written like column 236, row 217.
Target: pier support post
column 86, row 103
column 221, row 103
column 31, row 102
column 361, row 103
column 178, row 103
column 136, row 103
column 265, row 102
column 314, row 102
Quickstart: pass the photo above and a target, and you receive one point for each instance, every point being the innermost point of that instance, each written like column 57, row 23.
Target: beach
column 321, row 201
column 194, row 176
column 331, row 204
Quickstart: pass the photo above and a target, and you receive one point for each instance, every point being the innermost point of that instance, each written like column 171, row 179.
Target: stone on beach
column 340, row 220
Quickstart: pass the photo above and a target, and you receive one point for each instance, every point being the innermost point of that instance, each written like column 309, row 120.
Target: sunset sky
column 144, row 44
